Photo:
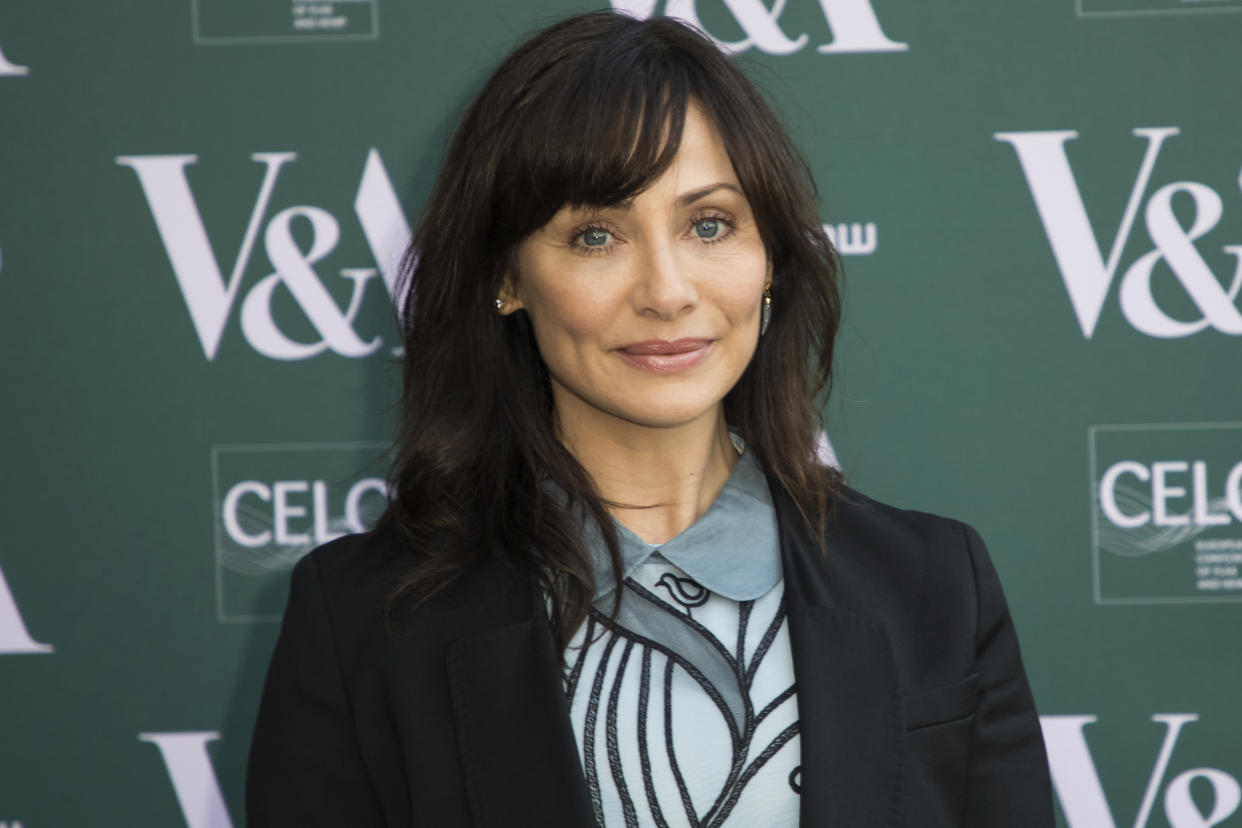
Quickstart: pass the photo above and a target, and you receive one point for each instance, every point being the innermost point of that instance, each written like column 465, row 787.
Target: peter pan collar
column 733, row 549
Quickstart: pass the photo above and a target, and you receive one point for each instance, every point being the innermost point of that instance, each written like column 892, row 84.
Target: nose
column 665, row 285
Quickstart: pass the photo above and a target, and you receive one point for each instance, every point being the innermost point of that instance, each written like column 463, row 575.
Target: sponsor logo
column 1088, row 275
column 14, row 638
column 10, row 69
column 276, row 502
column 1147, row 8
column 193, row 778
column 210, row 297
column 1166, row 512
column 853, row 26
column 283, row 21
column 1081, row 795
column 852, row 239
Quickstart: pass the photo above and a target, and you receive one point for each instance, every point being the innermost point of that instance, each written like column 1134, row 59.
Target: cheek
column 569, row 312
column 739, row 288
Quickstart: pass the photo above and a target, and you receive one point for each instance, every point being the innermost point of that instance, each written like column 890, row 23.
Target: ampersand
column 295, row 270
column 1181, row 809
column 756, row 20
column 1175, row 246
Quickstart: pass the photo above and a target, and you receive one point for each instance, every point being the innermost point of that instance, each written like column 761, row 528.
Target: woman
column 614, row 585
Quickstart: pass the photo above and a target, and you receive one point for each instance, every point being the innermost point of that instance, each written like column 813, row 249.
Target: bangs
column 594, row 129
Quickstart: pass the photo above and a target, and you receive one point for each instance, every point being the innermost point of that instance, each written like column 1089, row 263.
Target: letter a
column 855, row 29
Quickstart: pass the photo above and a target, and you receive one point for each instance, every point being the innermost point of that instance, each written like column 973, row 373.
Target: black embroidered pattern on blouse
column 647, row 622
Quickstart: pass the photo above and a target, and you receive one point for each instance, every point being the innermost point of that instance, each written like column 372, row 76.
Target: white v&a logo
column 1082, row 796
column 854, row 25
column 14, row 638
column 1088, row 275
column 193, row 778
column 210, row 298
column 9, row 69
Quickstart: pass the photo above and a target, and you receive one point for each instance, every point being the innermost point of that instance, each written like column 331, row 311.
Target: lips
column 662, row 356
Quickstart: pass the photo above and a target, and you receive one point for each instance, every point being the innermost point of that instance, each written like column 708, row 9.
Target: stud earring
column 500, row 305
column 766, row 316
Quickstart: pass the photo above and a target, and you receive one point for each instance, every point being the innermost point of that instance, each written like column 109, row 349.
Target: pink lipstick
column 662, row 356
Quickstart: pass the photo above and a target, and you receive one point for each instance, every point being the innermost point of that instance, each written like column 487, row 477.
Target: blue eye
column 707, row 228
column 596, row 237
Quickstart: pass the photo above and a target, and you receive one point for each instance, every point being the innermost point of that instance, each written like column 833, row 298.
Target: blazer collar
column 849, row 702
column 519, row 754
column 516, row 744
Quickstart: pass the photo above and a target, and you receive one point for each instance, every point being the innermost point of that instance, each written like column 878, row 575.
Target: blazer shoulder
column 360, row 581
column 884, row 531
column 354, row 563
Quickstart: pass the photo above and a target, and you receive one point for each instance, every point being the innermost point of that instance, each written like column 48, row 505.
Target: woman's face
column 648, row 312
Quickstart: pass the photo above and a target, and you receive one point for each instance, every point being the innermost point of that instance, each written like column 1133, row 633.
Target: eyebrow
column 686, row 199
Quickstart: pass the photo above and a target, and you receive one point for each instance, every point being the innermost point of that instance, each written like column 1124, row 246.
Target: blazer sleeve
column 1008, row 782
column 305, row 767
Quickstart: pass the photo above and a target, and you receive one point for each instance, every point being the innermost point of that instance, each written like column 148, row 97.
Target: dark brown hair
column 588, row 111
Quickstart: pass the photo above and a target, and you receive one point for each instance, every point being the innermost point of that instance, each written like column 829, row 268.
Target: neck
column 655, row 481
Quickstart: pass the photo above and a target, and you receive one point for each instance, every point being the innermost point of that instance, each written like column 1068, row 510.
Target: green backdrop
column 200, row 206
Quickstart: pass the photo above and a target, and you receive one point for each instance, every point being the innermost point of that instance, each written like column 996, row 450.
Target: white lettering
column 180, row 225
column 1233, row 491
column 231, row 507
column 1161, row 491
column 1088, row 277
column 285, row 510
column 210, row 298
column 287, row 507
column 383, row 221
column 296, row 272
column 853, row 24
column 1086, row 274
column 1077, row 783
column 1202, row 507
column 1108, row 494
column 852, row 239
column 10, row 69
column 1175, row 247
column 353, row 510
column 855, row 29
column 1073, row 773
column 1181, row 809
column 193, row 778
column 14, row 638
column 319, row 508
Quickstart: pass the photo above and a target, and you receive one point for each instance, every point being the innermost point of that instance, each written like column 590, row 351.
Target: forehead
column 702, row 149
column 701, row 162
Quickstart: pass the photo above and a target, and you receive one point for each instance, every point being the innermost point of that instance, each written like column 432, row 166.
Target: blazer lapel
column 848, row 694
column 516, row 745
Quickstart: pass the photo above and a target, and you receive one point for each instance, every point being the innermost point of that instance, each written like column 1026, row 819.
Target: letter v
column 1057, row 198
column 1074, row 776
column 194, row 780
column 180, row 225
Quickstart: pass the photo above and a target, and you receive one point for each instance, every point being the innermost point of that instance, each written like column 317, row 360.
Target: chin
column 664, row 413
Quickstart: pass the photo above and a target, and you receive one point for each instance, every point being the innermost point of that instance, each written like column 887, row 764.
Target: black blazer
column 914, row 706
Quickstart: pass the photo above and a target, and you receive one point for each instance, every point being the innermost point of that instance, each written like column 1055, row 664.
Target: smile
column 661, row 357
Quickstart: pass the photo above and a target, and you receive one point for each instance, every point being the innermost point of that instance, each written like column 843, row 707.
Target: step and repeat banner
column 1039, row 208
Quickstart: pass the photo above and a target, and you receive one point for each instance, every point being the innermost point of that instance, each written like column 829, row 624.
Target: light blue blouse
column 684, row 706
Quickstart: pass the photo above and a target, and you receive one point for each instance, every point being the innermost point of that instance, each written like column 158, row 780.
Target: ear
column 508, row 294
